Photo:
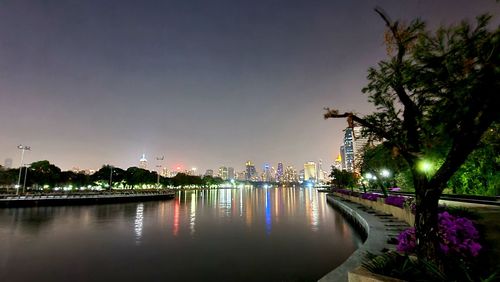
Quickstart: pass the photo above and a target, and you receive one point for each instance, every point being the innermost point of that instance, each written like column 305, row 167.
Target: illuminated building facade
column 143, row 162
column 290, row 175
column 310, row 171
column 338, row 162
column 223, row 173
column 250, row 171
column 348, row 149
column 230, row 173
column 279, row 173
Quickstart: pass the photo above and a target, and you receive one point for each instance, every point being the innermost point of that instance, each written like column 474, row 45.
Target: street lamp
column 385, row 173
column 110, row 177
column 158, row 175
column 23, row 148
column 25, row 175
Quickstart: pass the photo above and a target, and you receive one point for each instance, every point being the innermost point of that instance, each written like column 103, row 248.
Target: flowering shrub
column 347, row 192
column 407, row 241
column 370, row 196
column 457, row 237
column 397, row 201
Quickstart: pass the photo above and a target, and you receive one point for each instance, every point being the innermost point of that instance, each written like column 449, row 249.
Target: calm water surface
column 248, row 234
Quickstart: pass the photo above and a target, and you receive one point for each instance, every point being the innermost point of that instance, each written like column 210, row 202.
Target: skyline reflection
column 255, row 230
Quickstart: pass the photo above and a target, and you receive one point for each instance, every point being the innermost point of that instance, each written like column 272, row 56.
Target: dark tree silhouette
column 436, row 95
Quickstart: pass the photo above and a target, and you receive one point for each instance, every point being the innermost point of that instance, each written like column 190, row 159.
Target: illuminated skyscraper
column 310, row 173
column 230, row 173
column 209, row 172
column 338, row 162
column 349, row 149
column 143, row 162
column 290, row 175
column 279, row 173
column 342, row 158
column 266, row 174
column 251, row 173
column 223, row 172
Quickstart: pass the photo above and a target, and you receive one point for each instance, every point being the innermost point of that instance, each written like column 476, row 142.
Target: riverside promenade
column 82, row 199
column 380, row 231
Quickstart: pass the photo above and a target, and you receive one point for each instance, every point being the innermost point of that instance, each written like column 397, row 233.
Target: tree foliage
column 343, row 178
column 435, row 95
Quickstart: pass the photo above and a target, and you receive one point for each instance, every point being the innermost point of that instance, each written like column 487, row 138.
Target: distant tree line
column 44, row 175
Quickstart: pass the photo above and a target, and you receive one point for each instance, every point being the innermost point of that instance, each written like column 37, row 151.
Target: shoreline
column 91, row 199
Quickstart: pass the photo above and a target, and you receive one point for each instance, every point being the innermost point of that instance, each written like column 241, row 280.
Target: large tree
column 436, row 95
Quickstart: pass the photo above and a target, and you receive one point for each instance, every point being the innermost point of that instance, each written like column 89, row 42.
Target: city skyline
column 205, row 85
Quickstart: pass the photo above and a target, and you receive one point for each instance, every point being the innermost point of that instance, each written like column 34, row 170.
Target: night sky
column 204, row 83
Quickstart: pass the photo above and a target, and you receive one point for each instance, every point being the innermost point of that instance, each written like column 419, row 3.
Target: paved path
column 382, row 231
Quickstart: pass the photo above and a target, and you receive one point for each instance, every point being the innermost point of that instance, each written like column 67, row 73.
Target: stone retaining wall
column 373, row 230
column 402, row 214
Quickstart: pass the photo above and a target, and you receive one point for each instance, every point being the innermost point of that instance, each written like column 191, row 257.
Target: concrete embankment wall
column 81, row 200
column 379, row 205
column 368, row 225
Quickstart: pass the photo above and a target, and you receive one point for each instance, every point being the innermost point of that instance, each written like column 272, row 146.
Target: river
column 247, row 234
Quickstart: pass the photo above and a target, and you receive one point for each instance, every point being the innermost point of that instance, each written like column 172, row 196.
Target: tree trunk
column 426, row 220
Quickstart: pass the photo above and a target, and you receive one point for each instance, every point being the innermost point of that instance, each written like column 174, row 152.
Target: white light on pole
column 23, row 148
column 385, row 173
column 25, row 175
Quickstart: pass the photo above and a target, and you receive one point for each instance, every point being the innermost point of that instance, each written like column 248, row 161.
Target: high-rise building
column 349, row 149
column 342, row 158
column 209, row 172
column 143, row 162
column 266, row 173
column 360, row 143
column 165, row 172
column 353, row 149
column 223, row 172
column 279, row 173
column 338, row 162
column 230, row 173
column 251, row 172
column 310, row 173
column 241, row 175
column 290, row 175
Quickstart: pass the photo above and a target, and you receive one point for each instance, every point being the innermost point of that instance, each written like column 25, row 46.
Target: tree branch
column 352, row 118
column 411, row 111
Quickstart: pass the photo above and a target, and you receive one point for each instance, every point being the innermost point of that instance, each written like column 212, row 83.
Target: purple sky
column 204, row 83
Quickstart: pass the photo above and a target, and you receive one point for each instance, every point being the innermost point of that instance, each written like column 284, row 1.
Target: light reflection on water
column 276, row 231
column 139, row 218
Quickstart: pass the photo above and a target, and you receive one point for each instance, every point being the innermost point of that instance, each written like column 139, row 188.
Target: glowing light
column 385, row 173
column 369, row 176
column 425, row 166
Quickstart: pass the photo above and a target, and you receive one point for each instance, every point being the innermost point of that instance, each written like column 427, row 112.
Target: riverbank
column 82, row 199
column 377, row 228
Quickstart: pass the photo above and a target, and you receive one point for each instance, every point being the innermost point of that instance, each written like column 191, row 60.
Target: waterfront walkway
column 81, row 199
column 381, row 231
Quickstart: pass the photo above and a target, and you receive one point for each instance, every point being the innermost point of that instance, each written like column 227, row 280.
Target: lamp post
column 158, row 175
column 25, row 175
column 23, row 148
column 110, row 177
